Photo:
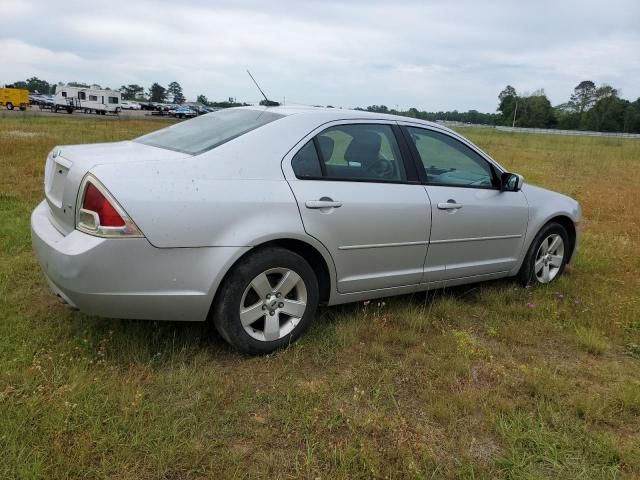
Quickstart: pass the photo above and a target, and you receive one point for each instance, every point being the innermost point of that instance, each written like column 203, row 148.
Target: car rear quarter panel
column 233, row 195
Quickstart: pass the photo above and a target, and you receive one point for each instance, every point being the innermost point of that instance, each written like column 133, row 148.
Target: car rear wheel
column 547, row 256
column 267, row 301
column 9, row 106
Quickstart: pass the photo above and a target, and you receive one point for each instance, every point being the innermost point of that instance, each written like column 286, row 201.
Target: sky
column 432, row 55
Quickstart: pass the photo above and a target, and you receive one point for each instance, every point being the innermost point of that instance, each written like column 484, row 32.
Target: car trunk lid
column 67, row 165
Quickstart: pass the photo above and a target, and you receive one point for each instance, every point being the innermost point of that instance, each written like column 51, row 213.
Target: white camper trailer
column 87, row 100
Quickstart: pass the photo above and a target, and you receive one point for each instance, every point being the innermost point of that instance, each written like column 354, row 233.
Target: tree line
column 472, row 116
column 590, row 107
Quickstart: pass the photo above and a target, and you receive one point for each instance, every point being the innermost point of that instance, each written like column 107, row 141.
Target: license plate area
column 55, row 177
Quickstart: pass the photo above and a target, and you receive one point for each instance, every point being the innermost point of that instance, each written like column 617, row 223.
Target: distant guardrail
column 545, row 131
column 580, row 133
column 452, row 124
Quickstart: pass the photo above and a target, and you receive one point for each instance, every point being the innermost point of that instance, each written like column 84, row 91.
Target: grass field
column 486, row 381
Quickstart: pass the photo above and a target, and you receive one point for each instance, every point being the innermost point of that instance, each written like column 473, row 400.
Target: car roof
column 325, row 114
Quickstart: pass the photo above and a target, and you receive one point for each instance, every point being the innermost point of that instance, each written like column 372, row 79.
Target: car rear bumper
column 128, row 278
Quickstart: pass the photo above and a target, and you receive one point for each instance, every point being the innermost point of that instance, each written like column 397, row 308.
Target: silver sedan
column 251, row 217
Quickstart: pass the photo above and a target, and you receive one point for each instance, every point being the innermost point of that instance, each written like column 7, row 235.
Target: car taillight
column 95, row 201
column 99, row 214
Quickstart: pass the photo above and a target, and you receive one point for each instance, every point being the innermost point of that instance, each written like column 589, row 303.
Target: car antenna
column 267, row 102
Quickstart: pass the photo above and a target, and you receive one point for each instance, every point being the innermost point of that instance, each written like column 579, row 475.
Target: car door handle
column 449, row 205
column 318, row 204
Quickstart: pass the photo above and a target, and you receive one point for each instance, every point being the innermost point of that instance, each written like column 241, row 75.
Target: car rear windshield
column 207, row 132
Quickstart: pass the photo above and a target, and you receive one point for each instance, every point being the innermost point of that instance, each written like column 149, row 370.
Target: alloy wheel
column 273, row 304
column 549, row 258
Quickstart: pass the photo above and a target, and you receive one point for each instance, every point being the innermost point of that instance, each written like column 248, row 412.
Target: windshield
column 208, row 131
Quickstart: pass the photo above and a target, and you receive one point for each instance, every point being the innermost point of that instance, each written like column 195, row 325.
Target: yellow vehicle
column 14, row 97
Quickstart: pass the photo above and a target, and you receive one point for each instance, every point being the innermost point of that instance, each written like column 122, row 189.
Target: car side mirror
column 511, row 182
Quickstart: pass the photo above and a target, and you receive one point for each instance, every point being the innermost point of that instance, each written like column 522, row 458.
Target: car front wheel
column 267, row 301
column 547, row 256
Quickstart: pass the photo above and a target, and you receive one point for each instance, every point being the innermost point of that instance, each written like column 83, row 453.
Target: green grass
column 485, row 381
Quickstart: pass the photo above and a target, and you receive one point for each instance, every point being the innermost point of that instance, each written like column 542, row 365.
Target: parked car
column 199, row 108
column 252, row 216
column 38, row 99
column 129, row 105
column 183, row 112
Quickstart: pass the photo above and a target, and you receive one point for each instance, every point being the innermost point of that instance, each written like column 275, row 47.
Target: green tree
column 269, row 103
column 157, row 93
column 608, row 114
column 567, row 117
column 583, row 96
column 378, row 109
column 175, row 90
column 632, row 117
column 605, row 91
column 228, row 104
column 34, row 84
column 202, row 99
column 508, row 91
column 131, row 91
column 20, row 84
column 508, row 103
column 535, row 111
column 412, row 112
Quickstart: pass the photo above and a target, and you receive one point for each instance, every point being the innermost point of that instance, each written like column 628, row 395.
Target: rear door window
column 362, row 152
column 306, row 163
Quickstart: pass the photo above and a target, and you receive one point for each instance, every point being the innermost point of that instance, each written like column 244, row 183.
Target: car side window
column 447, row 161
column 306, row 163
column 361, row 152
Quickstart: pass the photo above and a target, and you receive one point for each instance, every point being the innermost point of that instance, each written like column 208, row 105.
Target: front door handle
column 450, row 205
column 322, row 203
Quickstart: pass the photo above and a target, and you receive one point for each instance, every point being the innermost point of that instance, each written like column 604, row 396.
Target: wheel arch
column 313, row 256
column 561, row 218
column 570, row 227
column 321, row 265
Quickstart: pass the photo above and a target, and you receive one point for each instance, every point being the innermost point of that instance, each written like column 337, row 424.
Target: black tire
column 527, row 274
column 226, row 310
column 9, row 106
column 22, row 109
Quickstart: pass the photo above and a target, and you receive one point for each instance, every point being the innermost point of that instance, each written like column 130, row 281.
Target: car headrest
column 326, row 147
column 364, row 148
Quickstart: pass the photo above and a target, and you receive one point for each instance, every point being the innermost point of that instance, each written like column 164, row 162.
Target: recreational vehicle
column 87, row 100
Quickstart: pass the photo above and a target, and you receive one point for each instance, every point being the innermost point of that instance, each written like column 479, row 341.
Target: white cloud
column 434, row 55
